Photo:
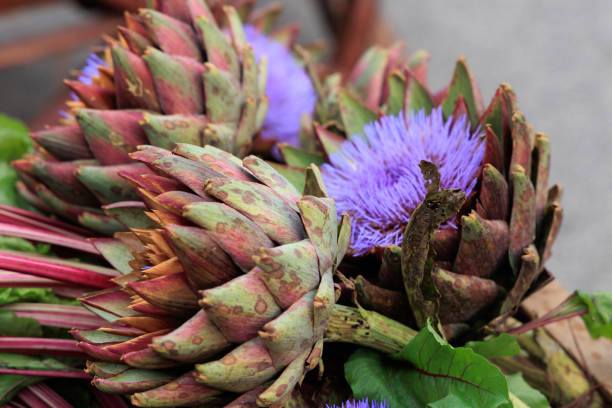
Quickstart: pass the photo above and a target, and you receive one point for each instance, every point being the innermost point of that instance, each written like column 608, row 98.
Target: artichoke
column 179, row 72
column 233, row 290
column 370, row 136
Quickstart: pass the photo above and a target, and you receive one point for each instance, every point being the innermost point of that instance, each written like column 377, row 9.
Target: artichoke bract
column 178, row 72
column 229, row 297
column 370, row 136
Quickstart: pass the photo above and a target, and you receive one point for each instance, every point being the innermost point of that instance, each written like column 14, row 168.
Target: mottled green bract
column 426, row 373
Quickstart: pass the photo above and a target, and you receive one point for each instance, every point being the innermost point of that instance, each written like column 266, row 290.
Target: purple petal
column 379, row 182
column 361, row 404
column 289, row 89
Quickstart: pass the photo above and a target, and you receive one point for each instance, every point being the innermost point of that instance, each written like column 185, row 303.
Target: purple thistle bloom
column 379, row 182
column 361, row 404
column 90, row 69
column 289, row 89
column 86, row 75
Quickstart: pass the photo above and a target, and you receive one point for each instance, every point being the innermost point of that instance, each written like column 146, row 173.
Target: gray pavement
column 557, row 54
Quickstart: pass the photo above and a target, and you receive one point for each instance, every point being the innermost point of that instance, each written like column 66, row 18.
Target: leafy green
column 20, row 244
column 11, row 384
column 26, row 362
column 499, row 346
column 599, row 318
column 8, row 193
column 14, row 143
column 13, row 326
column 426, row 373
column 14, row 139
column 524, row 392
column 32, row 295
column 10, row 324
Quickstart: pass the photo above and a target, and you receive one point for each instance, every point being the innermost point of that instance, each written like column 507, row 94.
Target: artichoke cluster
column 231, row 270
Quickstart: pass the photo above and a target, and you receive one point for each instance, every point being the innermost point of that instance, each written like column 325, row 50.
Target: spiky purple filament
column 361, row 404
column 91, row 68
column 289, row 89
column 379, row 182
column 88, row 72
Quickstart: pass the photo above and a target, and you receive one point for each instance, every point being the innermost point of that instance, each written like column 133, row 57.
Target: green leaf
column 11, row 384
column 599, row 318
column 531, row 397
column 461, row 85
column 355, row 115
column 32, row 295
column 8, row 193
column 26, row 362
column 14, row 138
column 499, row 346
column 450, row 401
column 296, row 176
column 20, row 244
column 397, row 89
column 13, row 326
column 418, row 98
column 295, row 157
column 435, row 371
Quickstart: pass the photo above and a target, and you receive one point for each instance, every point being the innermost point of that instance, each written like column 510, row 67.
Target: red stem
column 29, row 345
column 46, row 268
column 18, row 216
column 43, row 373
column 47, row 396
column 10, row 279
column 543, row 321
column 53, row 238
column 70, row 317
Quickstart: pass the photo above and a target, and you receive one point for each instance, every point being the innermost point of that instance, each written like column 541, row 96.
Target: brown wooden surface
column 597, row 353
column 6, row 5
column 28, row 50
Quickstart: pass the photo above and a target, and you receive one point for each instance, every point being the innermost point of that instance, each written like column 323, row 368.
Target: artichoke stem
column 367, row 328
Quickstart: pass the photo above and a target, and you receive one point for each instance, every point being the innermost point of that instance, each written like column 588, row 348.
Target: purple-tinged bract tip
column 289, row 89
column 378, row 182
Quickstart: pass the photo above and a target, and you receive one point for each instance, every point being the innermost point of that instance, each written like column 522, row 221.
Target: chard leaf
column 32, row 295
column 498, row 346
column 20, row 244
column 531, row 397
column 598, row 320
column 14, row 139
column 26, row 362
column 427, row 372
column 10, row 385
column 13, row 326
column 14, row 143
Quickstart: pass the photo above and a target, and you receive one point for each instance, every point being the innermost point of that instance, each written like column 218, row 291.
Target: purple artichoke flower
column 289, row 89
column 361, row 404
column 378, row 181
column 86, row 75
column 90, row 69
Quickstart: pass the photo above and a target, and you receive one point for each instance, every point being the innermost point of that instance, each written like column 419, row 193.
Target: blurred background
column 557, row 55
